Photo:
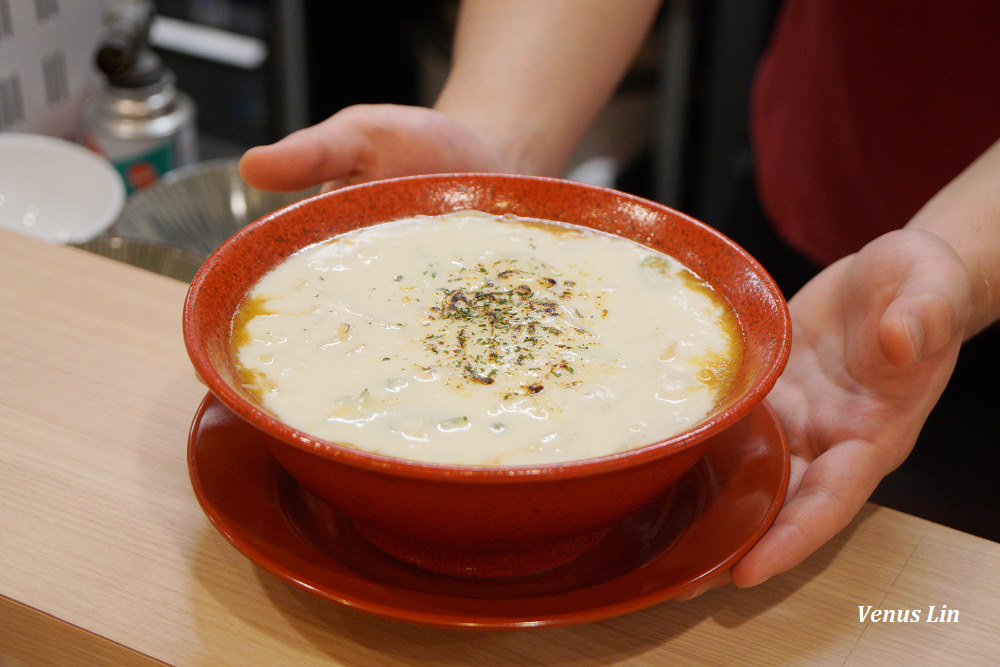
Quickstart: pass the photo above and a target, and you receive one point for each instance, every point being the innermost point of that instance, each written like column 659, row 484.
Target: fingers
column 916, row 326
column 920, row 290
column 325, row 152
column 930, row 311
column 833, row 489
column 368, row 142
column 720, row 579
column 907, row 296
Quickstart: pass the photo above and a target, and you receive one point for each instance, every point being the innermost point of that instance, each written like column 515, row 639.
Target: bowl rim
column 359, row 458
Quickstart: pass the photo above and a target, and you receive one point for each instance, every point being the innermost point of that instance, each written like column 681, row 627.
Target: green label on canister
column 145, row 168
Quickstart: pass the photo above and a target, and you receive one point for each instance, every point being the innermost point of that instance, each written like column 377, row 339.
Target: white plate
column 56, row 190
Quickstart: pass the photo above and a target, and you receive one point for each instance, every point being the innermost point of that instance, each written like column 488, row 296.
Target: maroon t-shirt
column 863, row 109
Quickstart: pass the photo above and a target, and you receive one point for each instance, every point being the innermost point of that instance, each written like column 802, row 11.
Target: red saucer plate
column 701, row 527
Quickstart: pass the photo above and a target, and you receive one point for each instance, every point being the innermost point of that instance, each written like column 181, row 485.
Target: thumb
column 930, row 307
column 325, row 152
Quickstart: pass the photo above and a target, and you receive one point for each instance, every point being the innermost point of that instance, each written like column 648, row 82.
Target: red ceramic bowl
column 478, row 520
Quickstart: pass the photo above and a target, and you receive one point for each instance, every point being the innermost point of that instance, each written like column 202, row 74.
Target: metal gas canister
column 139, row 120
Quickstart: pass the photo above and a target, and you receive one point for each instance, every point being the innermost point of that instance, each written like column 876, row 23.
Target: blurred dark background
column 675, row 131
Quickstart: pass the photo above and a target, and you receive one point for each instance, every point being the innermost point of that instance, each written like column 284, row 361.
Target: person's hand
column 369, row 142
column 875, row 337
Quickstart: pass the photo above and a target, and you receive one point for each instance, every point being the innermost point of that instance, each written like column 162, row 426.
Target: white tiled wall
column 46, row 63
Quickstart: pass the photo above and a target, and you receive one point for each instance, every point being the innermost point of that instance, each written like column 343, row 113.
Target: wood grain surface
column 106, row 557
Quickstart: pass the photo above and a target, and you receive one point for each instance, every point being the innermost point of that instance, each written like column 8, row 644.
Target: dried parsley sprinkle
column 500, row 321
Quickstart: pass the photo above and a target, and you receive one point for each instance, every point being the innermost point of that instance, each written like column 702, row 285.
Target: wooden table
column 107, row 558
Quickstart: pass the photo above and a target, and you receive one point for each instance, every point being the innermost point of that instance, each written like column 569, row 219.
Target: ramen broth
column 473, row 339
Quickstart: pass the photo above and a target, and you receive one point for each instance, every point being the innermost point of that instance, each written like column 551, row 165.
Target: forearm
column 530, row 75
column 966, row 214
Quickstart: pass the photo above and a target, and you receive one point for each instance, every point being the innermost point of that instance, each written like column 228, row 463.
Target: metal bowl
column 198, row 207
column 157, row 256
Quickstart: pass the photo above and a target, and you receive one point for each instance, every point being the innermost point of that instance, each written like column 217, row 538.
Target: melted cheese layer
column 473, row 339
